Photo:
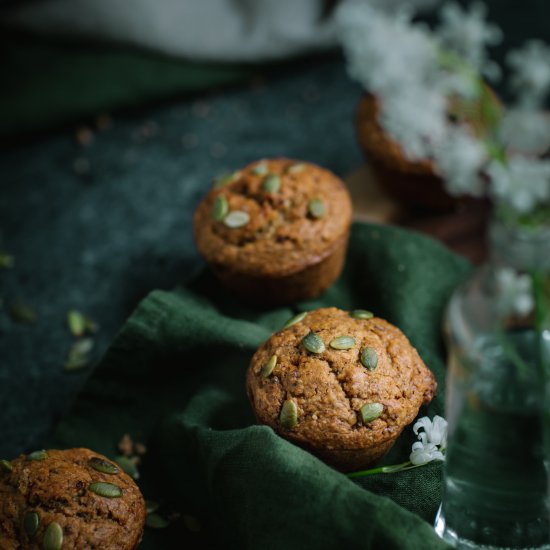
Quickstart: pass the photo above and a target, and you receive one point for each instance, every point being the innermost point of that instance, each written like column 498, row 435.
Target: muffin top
column 340, row 380
column 68, row 499
column 273, row 217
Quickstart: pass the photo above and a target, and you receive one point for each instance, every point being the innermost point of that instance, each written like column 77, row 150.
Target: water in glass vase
column 495, row 490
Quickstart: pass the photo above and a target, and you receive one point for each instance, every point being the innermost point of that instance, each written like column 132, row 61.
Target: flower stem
column 385, row 469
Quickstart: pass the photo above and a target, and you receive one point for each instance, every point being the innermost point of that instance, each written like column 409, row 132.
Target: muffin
column 342, row 385
column 276, row 231
column 68, row 499
column 416, row 182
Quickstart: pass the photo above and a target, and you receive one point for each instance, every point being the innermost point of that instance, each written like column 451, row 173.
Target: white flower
column 467, row 32
column 525, row 130
column 416, row 117
column 433, row 440
column 435, row 431
column 385, row 52
column 460, row 158
column 523, row 183
column 531, row 72
column 515, row 292
column 422, row 453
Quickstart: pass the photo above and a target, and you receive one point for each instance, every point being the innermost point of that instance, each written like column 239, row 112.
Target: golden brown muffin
column 68, row 499
column 411, row 182
column 277, row 231
column 343, row 385
column 416, row 182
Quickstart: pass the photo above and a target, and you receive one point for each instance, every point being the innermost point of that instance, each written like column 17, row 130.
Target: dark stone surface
column 99, row 241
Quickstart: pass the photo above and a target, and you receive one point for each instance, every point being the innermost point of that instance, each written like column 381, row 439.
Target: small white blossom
column 468, row 33
column 523, row 183
column 531, row 72
column 422, row 453
column 460, row 158
column 432, row 440
column 525, row 130
column 416, row 117
column 385, row 52
column 515, row 292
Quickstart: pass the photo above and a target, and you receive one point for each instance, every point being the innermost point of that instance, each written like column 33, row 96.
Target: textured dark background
column 100, row 241
column 97, row 227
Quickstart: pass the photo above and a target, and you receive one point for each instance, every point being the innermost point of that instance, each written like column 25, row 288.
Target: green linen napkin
column 174, row 379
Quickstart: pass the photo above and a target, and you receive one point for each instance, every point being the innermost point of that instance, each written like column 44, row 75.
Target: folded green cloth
column 174, row 379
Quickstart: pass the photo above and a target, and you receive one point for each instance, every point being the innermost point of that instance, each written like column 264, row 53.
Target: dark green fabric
column 58, row 82
column 174, row 378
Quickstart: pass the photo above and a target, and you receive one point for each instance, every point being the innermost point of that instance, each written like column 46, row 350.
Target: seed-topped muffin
column 68, row 499
column 275, row 231
column 343, row 385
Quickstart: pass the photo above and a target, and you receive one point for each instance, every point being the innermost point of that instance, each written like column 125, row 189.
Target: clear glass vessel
column 497, row 393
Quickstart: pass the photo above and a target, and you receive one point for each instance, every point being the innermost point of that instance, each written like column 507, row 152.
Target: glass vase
column 495, row 492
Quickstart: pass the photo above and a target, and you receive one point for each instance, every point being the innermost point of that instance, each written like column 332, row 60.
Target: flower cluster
column 432, row 440
column 417, row 71
column 431, row 445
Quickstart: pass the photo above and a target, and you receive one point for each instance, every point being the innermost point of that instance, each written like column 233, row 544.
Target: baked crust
column 330, row 388
column 57, row 489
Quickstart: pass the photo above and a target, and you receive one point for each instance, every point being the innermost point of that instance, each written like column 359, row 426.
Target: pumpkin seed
column 102, row 465
column 107, row 490
column 296, row 168
column 236, row 219
column 7, row 261
column 260, row 169
column 53, row 537
column 76, row 322
column 316, row 208
column 288, row 417
column 154, row 521
column 38, row 455
column 5, row 466
column 361, row 314
column 220, row 208
column 225, row 179
column 267, row 369
column 342, row 342
column 31, row 521
column 369, row 358
column 370, row 412
column 79, row 354
column 271, row 183
column 313, row 343
column 296, row 319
